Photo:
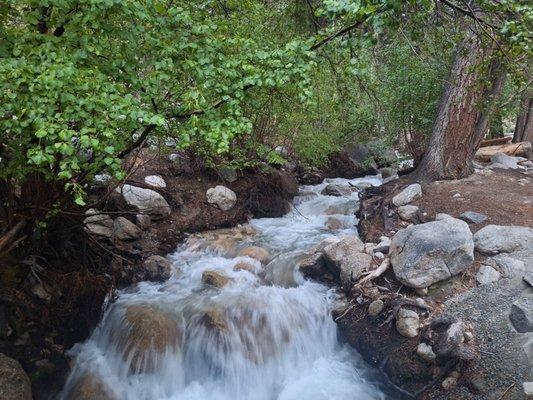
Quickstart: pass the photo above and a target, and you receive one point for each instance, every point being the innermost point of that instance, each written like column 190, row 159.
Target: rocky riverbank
column 439, row 296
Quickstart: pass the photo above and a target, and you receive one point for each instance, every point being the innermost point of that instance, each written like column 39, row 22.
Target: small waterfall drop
column 257, row 331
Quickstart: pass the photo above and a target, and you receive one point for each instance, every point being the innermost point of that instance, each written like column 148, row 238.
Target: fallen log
column 496, row 141
column 522, row 149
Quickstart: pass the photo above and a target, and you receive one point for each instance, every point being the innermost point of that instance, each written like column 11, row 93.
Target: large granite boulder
column 347, row 260
column 493, row 239
column 427, row 253
column 146, row 200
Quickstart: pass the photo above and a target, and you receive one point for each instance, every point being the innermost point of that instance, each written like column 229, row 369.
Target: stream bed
column 260, row 331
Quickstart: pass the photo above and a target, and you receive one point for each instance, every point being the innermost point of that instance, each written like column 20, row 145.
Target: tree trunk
column 464, row 109
column 524, row 123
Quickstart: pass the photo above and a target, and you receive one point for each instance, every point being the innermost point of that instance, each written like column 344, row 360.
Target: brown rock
column 145, row 333
column 243, row 266
column 157, row 268
column 214, row 278
column 255, row 252
column 90, row 387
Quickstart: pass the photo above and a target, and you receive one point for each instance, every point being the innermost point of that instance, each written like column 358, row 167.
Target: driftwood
column 496, row 141
column 384, row 266
column 522, row 149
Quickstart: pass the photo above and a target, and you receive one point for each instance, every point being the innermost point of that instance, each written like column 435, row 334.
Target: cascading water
column 265, row 333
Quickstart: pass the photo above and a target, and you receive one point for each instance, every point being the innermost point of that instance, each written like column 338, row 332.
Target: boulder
column 336, row 190
column 390, row 179
column 145, row 334
column 487, row 275
column 157, row 268
column 334, row 224
column 222, row 196
column 427, row 253
column 255, row 252
column 90, row 387
column 155, row 181
column 473, row 217
column 143, row 221
column 244, row 266
column 521, row 314
column 145, row 200
column 509, row 267
column 215, row 279
column 14, row 383
column 493, row 239
column 505, row 160
column 347, row 260
column 313, row 266
column 408, row 212
column 98, row 223
column 124, row 229
column 407, row 323
column 407, row 195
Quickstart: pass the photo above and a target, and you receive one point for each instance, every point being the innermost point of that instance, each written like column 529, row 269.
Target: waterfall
column 227, row 326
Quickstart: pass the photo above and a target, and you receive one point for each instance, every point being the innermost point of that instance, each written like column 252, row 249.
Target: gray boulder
column 155, row 181
column 347, row 260
column 407, row 195
column 223, row 197
column 146, row 200
column 509, row 267
column 408, row 212
column 407, row 323
column 14, row 383
column 143, row 221
column 124, row 229
column 473, row 217
column 505, row 160
column 427, row 253
column 493, row 239
column 98, row 223
column 487, row 275
column 521, row 315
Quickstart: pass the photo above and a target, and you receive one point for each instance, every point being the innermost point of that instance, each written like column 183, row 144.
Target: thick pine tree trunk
column 524, row 123
column 464, row 109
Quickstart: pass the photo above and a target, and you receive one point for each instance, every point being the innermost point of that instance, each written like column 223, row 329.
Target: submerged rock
column 255, row 252
column 427, row 253
column 313, row 266
column 215, row 279
column 90, row 387
column 145, row 334
column 223, row 197
column 336, row 190
column 14, row 383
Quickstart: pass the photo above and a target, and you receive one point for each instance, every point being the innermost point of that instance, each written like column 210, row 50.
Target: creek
column 267, row 334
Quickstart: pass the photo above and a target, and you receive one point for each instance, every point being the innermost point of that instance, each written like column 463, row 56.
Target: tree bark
column 464, row 110
column 524, row 123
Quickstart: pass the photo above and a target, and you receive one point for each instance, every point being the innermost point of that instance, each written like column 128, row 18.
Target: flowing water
column 266, row 335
